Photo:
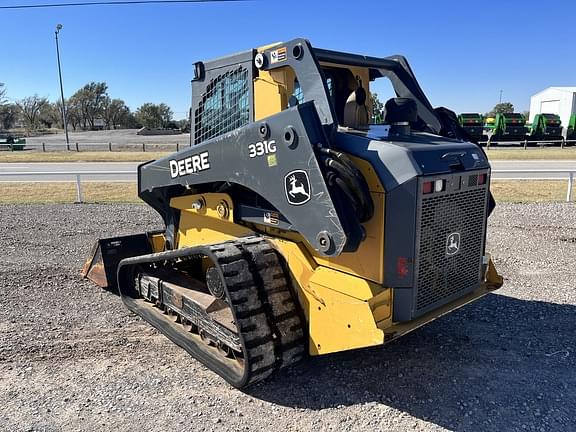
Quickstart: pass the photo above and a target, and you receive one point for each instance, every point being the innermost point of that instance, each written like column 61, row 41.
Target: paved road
column 131, row 166
column 59, row 167
column 529, row 165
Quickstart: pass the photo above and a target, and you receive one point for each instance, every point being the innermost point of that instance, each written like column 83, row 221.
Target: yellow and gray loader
column 293, row 227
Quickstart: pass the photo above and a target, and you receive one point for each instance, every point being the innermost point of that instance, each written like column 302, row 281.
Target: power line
column 120, row 2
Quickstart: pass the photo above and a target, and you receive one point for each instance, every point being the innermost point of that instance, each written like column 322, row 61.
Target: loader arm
column 290, row 178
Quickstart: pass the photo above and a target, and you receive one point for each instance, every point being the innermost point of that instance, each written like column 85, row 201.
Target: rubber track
column 268, row 324
column 279, row 305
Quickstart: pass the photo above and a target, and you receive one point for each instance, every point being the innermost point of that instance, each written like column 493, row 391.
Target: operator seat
column 355, row 110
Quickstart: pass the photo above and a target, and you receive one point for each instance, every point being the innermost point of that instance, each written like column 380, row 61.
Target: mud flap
column 102, row 263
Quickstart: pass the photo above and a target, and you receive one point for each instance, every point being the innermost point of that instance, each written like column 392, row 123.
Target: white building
column 554, row 100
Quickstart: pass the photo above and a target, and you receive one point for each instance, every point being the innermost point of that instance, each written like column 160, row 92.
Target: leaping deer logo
column 453, row 243
column 297, row 187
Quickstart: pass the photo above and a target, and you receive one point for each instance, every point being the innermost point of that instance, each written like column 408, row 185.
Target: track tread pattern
column 278, row 301
column 258, row 291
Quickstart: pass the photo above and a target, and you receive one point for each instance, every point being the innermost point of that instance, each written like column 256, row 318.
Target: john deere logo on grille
column 297, row 187
column 453, row 244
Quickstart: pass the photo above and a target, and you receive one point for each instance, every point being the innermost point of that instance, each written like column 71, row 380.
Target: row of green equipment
column 514, row 127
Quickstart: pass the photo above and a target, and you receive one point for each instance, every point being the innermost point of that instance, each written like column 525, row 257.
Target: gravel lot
column 72, row 358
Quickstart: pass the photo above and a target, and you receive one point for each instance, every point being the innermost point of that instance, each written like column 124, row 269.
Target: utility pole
column 501, row 91
column 64, row 117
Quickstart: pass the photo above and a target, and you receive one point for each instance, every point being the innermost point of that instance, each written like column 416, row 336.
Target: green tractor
column 546, row 127
column 508, row 127
column 569, row 132
column 473, row 124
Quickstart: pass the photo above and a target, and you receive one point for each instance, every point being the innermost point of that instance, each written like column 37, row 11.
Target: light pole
column 501, row 91
column 64, row 117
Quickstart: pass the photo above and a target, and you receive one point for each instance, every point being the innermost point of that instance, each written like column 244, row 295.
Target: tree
column 8, row 116
column 115, row 112
column 73, row 113
column 2, row 94
column 501, row 108
column 131, row 122
column 88, row 102
column 50, row 115
column 30, row 108
column 377, row 109
column 183, row 125
column 154, row 116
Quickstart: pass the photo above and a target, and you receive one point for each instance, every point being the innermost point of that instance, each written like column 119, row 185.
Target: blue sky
column 462, row 52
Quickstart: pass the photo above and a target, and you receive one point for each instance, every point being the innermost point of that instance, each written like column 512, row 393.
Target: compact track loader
column 294, row 227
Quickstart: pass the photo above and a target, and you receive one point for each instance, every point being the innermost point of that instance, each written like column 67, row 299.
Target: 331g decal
column 261, row 148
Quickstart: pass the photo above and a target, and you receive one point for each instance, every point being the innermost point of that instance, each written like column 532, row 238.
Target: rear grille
column 442, row 276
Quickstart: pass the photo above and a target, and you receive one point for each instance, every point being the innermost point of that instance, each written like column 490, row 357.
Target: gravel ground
column 72, row 358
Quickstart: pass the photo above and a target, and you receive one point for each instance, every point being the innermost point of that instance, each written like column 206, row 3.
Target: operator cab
column 375, row 100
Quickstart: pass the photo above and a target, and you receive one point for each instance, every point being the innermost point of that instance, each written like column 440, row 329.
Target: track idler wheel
column 214, row 283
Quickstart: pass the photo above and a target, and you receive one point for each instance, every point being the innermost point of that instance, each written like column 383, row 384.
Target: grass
column 64, row 192
column 530, row 190
column 532, row 154
column 125, row 192
column 30, row 156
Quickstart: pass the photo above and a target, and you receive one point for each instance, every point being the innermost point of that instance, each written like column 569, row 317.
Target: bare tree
column 30, row 108
column 8, row 112
column 2, row 94
column 51, row 115
column 8, row 115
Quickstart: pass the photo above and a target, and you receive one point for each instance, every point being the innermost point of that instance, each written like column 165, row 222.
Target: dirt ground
column 73, row 359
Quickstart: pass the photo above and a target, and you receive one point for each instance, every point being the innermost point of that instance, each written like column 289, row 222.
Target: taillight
column 439, row 185
column 402, row 267
column 433, row 186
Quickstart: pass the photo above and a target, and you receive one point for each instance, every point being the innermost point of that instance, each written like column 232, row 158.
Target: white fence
column 527, row 143
column 97, row 146
column 517, row 176
column 77, row 176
